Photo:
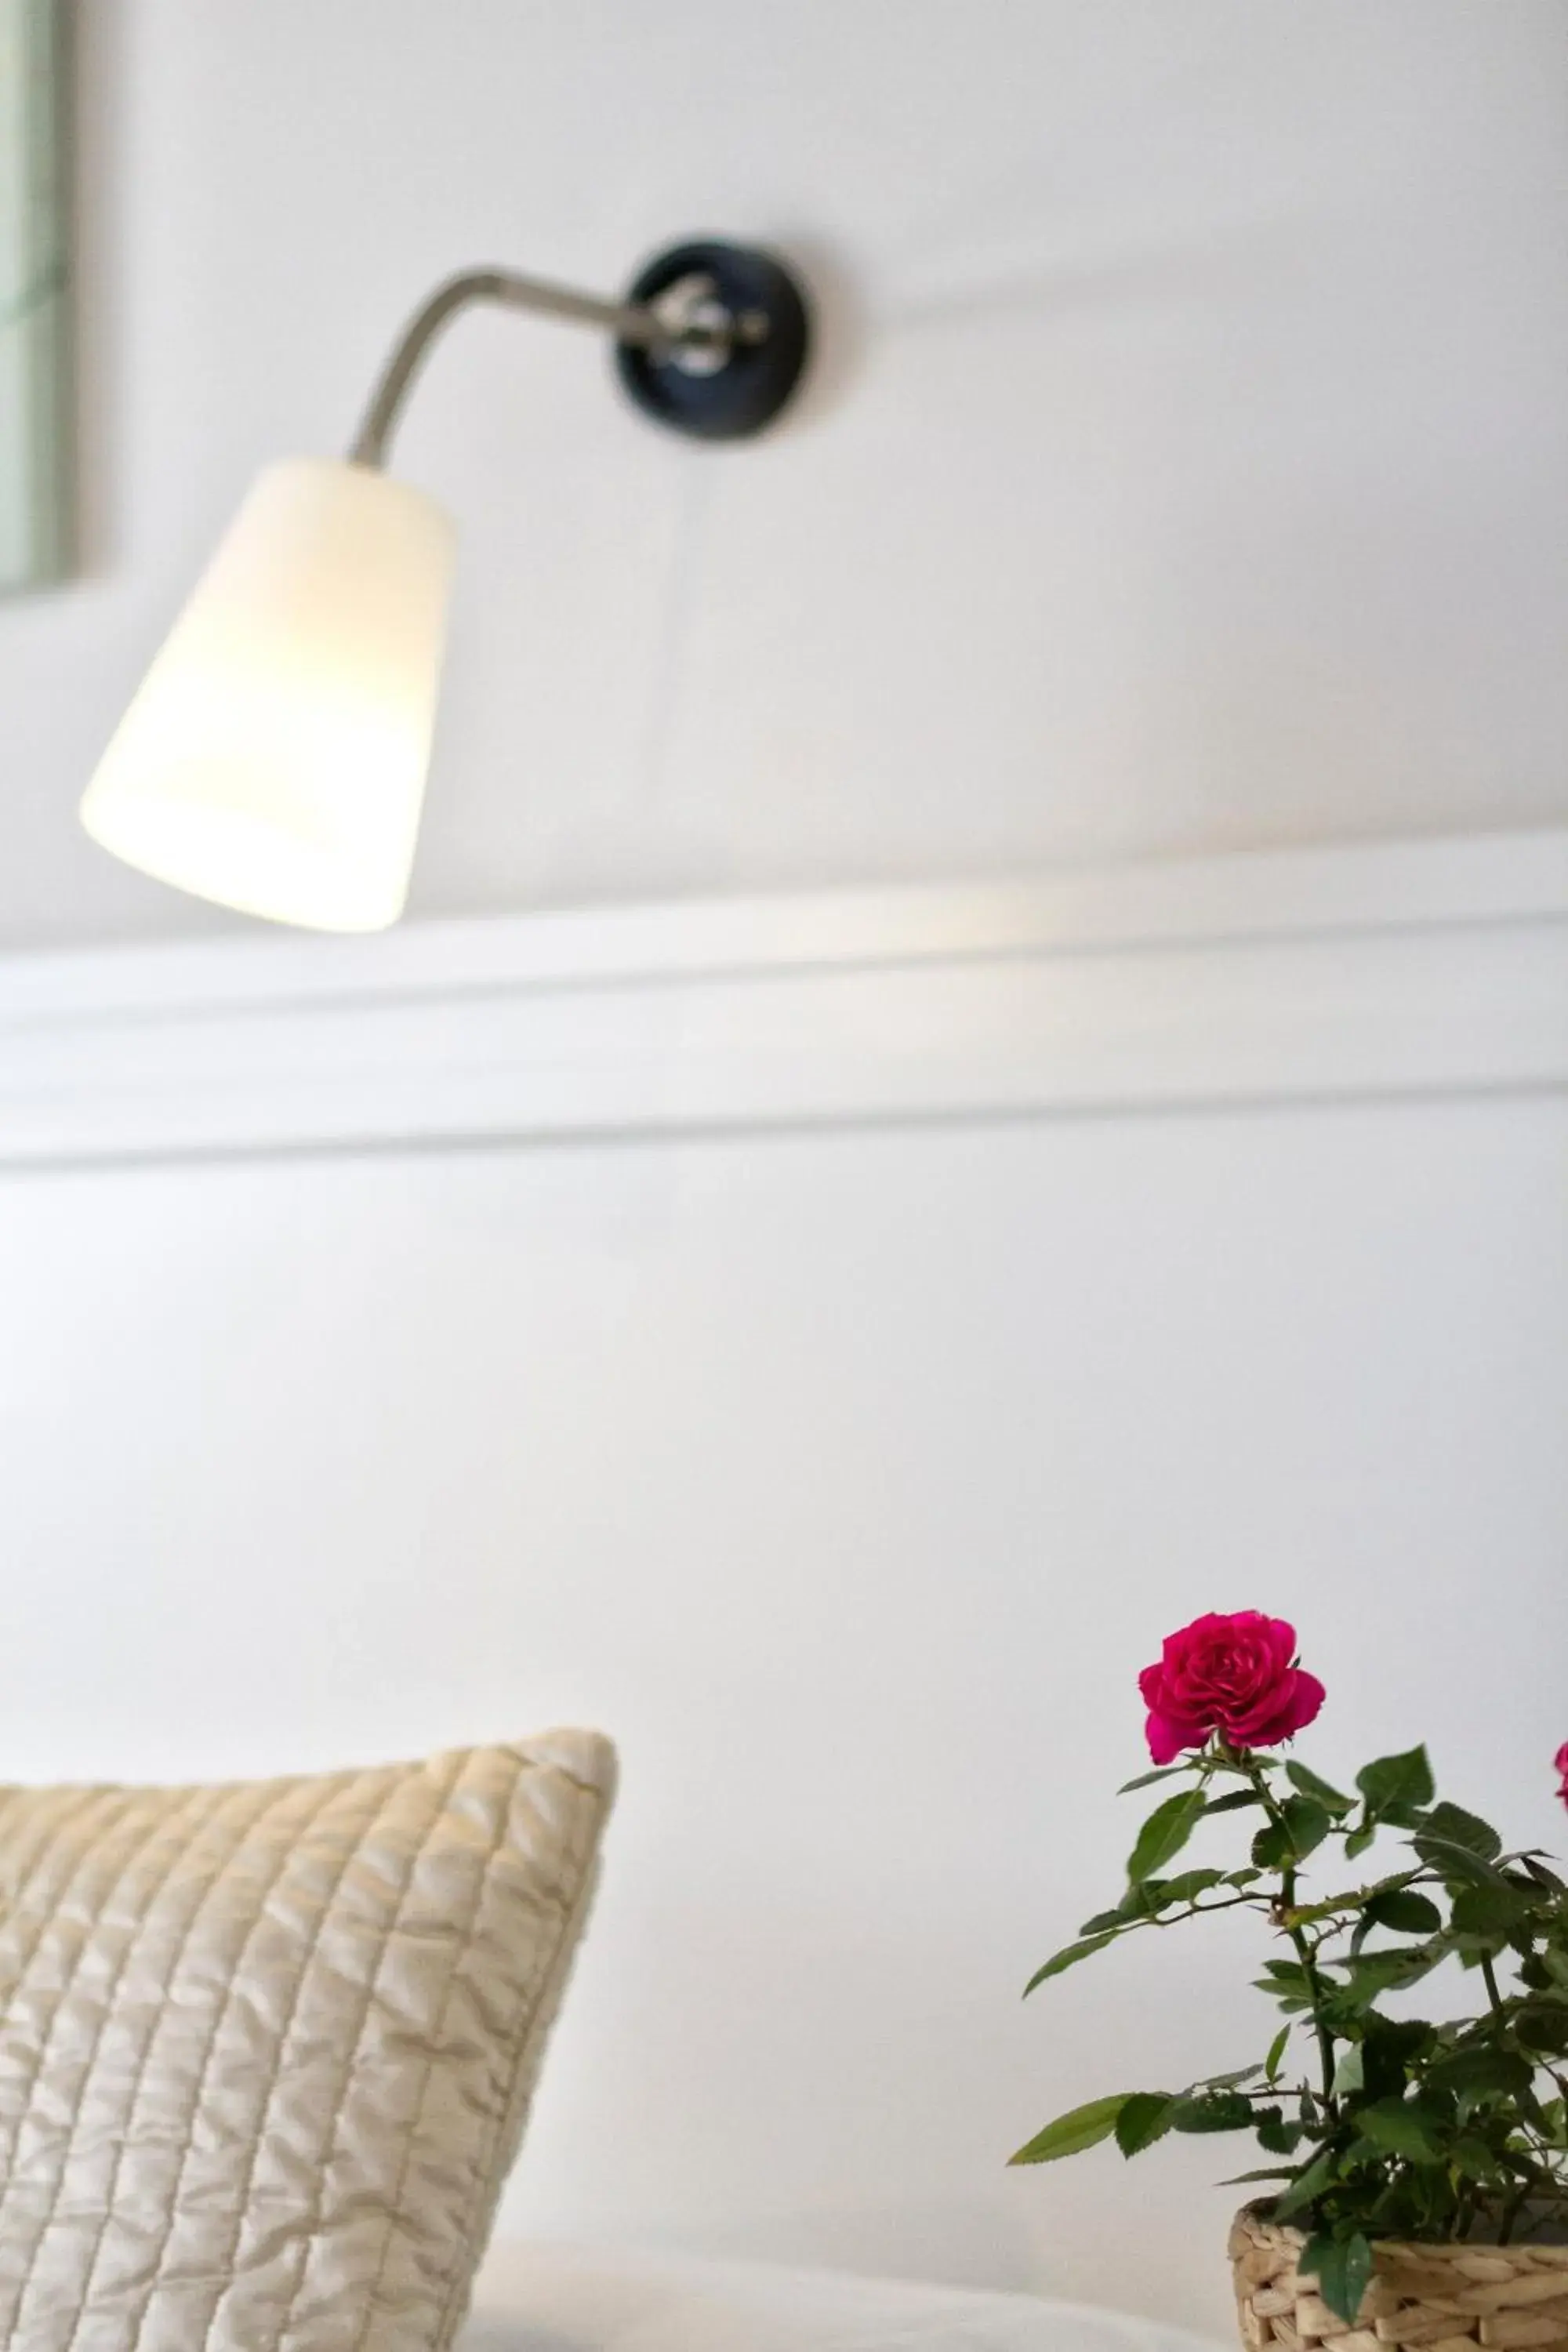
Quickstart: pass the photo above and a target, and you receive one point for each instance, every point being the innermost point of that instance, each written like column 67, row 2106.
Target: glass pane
column 34, row 424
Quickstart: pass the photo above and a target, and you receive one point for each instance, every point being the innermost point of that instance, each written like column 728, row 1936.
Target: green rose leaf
column 1456, row 1827
column 1147, row 1780
column 1401, row 1908
column 1284, row 1972
column 1307, row 2186
column 1277, row 2050
column 1145, row 2117
column 1483, row 2067
column 1080, row 2128
column 1187, row 1885
column 1400, row 2127
column 1213, row 2111
column 1396, row 1785
column 1067, row 1958
column 1343, row 2267
column 1489, row 1910
column 1275, row 2134
column 1164, row 1833
column 1309, row 1824
column 1375, row 1973
column 1301, row 1776
column 1303, row 1826
column 1271, row 1846
column 1457, row 1864
column 1151, row 1896
column 1132, row 1907
column 1387, row 2052
column 1543, row 2026
column 1475, row 2159
column 1286, row 1982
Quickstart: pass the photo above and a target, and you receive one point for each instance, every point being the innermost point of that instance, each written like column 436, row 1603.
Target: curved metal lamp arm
column 634, row 323
column 631, row 324
column 711, row 340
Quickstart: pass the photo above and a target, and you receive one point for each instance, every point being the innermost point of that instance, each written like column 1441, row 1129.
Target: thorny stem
column 1198, row 1910
column 1304, row 1951
column 1193, row 1911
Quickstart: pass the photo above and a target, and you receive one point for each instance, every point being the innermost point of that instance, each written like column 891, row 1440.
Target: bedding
column 576, row 2299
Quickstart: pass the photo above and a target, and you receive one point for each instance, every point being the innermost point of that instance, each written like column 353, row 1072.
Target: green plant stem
column 1201, row 1910
column 1304, row 1951
column 1489, row 1977
column 1193, row 1911
column 1512, row 2209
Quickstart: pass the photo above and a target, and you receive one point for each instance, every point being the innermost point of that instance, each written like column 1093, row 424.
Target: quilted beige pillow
column 266, row 2050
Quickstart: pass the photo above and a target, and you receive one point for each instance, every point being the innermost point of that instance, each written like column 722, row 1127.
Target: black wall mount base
column 738, row 384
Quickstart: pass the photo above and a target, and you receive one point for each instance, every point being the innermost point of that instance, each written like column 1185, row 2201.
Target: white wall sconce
column 273, row 758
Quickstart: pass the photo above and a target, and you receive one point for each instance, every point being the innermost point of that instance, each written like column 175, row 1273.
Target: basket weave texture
column 1442, row 2298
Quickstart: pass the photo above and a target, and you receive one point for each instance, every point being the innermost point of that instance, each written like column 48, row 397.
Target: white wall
column 1189, row 469
column 846, row 1471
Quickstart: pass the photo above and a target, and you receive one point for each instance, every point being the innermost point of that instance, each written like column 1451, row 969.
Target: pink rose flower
column 1237, row 1676
column 1561, row 1761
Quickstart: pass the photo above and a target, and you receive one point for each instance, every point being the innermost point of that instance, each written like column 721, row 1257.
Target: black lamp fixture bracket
column 710, row 339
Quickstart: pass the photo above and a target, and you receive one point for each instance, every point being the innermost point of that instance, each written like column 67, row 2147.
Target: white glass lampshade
column 274, row 757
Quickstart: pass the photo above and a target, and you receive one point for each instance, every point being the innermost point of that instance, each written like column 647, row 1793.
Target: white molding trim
column 1384, row 969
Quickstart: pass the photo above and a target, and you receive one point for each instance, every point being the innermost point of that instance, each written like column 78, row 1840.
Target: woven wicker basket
column 1441, row 2298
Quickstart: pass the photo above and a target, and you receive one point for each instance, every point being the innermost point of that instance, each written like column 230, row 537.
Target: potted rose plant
column 1417, row 2167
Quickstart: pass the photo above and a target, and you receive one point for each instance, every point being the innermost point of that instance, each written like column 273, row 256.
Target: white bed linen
column 578, row 2299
